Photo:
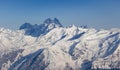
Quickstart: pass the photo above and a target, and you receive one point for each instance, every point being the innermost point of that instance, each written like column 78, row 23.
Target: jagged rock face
column 37, row 30
column 71, row 48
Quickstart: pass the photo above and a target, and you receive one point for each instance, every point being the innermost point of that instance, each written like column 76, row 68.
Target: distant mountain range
column 50, row 46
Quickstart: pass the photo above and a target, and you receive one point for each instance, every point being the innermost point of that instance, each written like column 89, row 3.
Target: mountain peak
column 53, row 21
column 25, row 25
column 48, row 20
column 37, row 30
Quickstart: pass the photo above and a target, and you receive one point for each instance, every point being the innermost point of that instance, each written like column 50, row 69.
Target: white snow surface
column 62, row 48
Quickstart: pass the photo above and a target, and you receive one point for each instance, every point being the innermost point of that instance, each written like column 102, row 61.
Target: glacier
column 50, row 46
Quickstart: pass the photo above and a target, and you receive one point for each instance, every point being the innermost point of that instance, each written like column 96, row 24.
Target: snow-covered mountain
column 59, row 48
column 37, row 30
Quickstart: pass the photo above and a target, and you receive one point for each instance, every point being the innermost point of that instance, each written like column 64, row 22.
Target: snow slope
column 62, row 48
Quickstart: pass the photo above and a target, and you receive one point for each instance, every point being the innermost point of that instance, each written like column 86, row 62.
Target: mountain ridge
column 37, row 30
column 62, row 48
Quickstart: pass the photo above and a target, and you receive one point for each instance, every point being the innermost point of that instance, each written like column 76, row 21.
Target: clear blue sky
column 94, row 13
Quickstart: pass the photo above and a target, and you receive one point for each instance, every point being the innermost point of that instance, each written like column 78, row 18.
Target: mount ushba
column 50, row 46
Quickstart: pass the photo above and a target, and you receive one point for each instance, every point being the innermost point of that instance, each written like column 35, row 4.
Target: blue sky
column 94, row 13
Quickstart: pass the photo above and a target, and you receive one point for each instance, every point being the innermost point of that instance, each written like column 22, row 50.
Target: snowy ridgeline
column 59, row 48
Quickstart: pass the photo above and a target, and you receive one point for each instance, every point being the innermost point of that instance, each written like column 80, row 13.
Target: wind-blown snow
column 61, row 48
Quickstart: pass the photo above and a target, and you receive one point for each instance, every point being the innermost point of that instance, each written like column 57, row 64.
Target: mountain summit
column 51, row 46
column 55, row 21
column 37, row 30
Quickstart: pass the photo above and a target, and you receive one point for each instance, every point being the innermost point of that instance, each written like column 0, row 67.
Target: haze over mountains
column 51, row 46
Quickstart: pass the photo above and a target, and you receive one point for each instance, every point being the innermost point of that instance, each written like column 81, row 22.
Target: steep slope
column 37, row 30
column 60, row 48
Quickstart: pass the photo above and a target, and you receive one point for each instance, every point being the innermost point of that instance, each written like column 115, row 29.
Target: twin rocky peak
column 37, row 30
